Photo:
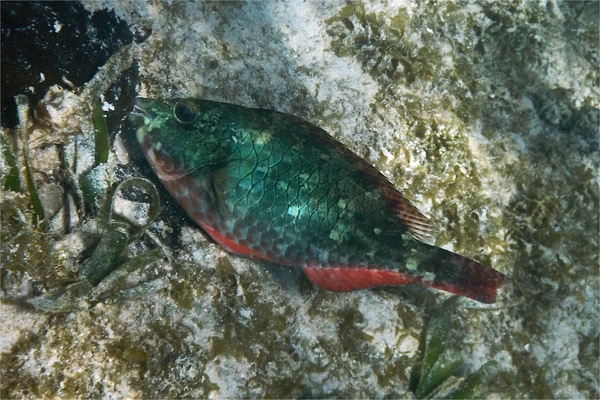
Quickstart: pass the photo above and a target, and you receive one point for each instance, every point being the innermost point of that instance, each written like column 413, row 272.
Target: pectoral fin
column 219, row 186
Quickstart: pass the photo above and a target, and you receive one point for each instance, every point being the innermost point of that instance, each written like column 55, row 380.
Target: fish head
column 179, row 136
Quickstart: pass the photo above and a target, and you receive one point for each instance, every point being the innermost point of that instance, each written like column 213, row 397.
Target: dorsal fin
column 416, row 223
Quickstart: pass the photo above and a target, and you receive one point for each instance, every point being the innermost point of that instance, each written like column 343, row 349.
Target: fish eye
column 183, row 113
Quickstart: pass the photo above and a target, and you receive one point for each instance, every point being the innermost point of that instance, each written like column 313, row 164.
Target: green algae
column 389, row 52
column 26, row 252
column 474, row 385
column 56, row 378
column 94, row 188
column 183, row 294
column 16, row 382
column 27, row 249
column 442, row 137
column 10, row 178
column 382, row 49
column 255, row 339
column 255, row 332
column 34, row 197
column 119, row 232
column 351, row 334
column 170, row 354
column 101, row 138
column 105, row 257
column 439, row 373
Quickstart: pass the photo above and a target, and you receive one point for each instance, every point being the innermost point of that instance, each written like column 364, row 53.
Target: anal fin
column 348, row 279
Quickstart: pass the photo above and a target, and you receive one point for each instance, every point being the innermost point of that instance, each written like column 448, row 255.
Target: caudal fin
column 448, row 271
column 451, row 272
column 465, row 277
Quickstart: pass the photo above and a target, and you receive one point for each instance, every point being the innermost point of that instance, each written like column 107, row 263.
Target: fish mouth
column 143, row 118
column 141, row 103
column 138, row 115
column 139, row 118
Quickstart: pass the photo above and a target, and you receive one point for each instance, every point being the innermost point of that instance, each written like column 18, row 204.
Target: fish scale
column 315, row 220
column 271, row 186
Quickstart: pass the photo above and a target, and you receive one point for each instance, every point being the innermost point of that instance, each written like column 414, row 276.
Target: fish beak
column 137, row 116
column 140, row 118
column 142, row 103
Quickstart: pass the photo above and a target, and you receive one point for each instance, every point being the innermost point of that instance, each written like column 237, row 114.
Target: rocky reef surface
column 484, row 114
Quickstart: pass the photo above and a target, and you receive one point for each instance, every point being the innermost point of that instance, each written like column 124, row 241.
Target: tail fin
column 464, row 277
column 451, row 272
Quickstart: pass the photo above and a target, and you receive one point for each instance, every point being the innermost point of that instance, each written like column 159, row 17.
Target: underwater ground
column 484, row 114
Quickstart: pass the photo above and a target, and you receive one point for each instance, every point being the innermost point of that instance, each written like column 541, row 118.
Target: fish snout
column 138, row 115
column 142, row 103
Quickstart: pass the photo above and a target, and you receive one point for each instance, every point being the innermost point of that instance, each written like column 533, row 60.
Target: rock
column 484, row 115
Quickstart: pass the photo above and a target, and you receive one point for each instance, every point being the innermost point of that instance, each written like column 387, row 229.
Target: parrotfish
column 273, row 187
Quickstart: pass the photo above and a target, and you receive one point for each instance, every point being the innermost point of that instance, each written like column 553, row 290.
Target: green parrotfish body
column 271, row 186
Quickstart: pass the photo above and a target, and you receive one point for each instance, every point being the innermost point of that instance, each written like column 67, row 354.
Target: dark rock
column 56, row 39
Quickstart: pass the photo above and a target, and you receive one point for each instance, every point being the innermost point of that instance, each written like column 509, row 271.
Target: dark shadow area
column 44, row 42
